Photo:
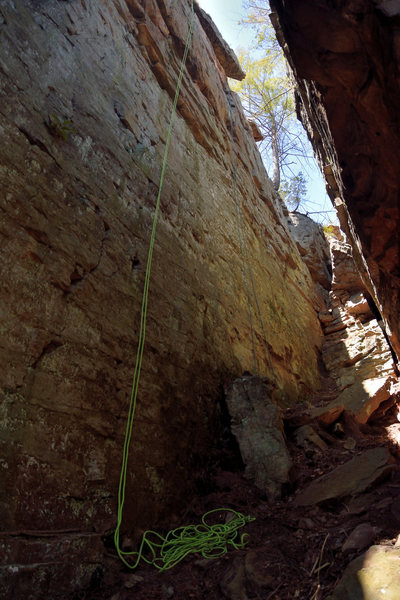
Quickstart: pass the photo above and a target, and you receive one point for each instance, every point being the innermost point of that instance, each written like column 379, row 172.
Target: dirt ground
column 292, row 552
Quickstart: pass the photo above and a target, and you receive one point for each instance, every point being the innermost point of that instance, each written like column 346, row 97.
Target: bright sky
column 226, row 14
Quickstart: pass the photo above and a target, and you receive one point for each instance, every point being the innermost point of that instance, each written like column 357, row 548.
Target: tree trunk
column 276, row 172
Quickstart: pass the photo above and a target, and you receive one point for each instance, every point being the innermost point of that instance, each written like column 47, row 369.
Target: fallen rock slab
column 305, row 434
column 257, row 424
column 361, row 399
column 326, row 415
column 361, row 504
column 361, row 537
column 233, row 584
column 372, row 576
column 353, row 477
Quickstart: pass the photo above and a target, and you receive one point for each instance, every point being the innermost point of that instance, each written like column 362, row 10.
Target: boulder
column 374, row 575
column 348, row 479
column 360, row 399
column 258, row 427
column 313, row 247
column 363, row 398
column 361, row 537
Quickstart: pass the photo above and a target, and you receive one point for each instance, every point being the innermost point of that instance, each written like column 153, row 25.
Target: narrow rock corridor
column 267, row 349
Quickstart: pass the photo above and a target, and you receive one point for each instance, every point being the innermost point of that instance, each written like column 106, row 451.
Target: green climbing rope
column 211, row 541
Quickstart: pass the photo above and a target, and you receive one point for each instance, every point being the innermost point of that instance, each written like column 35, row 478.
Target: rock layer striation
column 86, row 94
column 345, row 57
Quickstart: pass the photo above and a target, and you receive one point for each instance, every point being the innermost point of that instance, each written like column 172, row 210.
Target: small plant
column 60, row 128
column 331, row 231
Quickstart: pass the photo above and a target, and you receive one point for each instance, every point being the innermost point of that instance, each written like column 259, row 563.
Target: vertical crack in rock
column 79, row 274
column 48, row 349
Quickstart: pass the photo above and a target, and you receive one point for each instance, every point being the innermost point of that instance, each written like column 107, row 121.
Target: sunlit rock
column 375, row 574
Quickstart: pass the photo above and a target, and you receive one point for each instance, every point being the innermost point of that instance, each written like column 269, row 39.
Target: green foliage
column 294, row 191
column 266, row 91
column 268, row 101
column 60, row 128
column 258, row 19
column 267, row 96
column 331, row 230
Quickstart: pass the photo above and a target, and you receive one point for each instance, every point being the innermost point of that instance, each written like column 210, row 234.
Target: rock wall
column 355, row 352
column 345, row 57
column 314, row 249
column 86, row 93
column 355, row 348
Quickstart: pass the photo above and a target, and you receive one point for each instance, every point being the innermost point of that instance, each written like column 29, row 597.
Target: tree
column 267, row 95
column 268, row 99
column 294, row 190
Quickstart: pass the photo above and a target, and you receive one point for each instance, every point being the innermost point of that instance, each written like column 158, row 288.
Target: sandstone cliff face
column 345, row 57
column 86, row 94
column 355, row 350
column 314, row 249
